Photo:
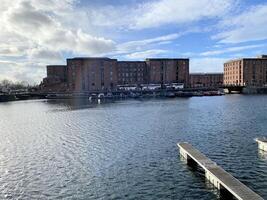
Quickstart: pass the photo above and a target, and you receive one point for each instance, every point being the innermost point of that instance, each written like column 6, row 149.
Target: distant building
column 168, row 70
column 94, row 74
column 58, row 71
column 55, row 79
column 91, row 74
column 246, row 72
column 262, row 56
column 132, row 72
column 211, row 80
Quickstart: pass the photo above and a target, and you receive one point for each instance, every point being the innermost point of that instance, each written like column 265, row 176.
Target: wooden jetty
column 222, row 180
column 262, row 143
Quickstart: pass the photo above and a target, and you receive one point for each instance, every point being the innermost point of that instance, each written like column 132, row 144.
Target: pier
column 262, row 143
column 229, row 187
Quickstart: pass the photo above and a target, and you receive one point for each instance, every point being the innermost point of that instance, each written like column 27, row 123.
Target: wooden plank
column 234, row 186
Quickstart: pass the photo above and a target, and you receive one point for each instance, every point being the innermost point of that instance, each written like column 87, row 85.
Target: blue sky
column 35, row 33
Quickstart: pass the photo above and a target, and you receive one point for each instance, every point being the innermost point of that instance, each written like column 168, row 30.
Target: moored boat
column 184, row 94
column 170, row 95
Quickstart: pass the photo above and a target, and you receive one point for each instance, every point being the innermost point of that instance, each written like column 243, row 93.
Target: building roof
column 90, row 58
column 262, row 57
column 160, row 59
column 131, row 61
column 56, row 65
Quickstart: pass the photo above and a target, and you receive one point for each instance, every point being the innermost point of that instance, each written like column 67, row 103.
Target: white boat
column 101, row 96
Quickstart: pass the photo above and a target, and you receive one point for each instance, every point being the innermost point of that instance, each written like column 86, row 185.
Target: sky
column 36, row 33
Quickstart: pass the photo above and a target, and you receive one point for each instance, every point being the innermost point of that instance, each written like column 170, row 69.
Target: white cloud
column 44, row 29
column 39, row 31
column 180, row 12
column 208, row 64
column 250, row 25
column 109, row 16
column 141, row 55
column 138, row 45
column 48, row 56
column 21, row 71
column 152, row 43
column 8, row 50
column 161, row 12
column 231, row 49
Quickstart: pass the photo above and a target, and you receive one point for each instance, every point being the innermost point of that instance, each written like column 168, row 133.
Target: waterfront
column 68, row 149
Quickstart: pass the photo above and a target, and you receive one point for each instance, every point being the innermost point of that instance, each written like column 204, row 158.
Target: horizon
column 35, row 34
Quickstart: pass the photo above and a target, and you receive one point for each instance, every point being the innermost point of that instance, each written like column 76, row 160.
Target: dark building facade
column 58, row 71
column 213, row 80
column 167, row 70
column 246, row 72
column 132, row 72
column 105, row 74
column 91, row 74
column 55, row 79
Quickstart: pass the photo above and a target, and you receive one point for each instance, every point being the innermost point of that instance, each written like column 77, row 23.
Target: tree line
column 14, row 85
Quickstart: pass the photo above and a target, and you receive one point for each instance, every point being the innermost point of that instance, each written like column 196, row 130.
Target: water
column 127, row 149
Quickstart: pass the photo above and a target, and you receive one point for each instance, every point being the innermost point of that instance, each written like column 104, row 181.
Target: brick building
column 132, row 72
column 167, row 70
column 105, row 74
column 91, row 74
column 55, row 79
column 198, row 80
column 246, row 72
column 58, row 71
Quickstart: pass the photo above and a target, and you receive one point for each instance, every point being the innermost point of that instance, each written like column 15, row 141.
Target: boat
column 101, row 96
column 135, row 95
column 23, row 96
column 92, row 97
column 170, row 95
column 198, row 94
column 213, row 93
column 59, row 96
column 184, row 94
column 109, row 96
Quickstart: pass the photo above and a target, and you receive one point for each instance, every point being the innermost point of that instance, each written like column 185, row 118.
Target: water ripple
column 127, row 149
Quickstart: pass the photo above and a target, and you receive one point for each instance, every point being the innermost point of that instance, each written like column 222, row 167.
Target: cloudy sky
column 35, row 33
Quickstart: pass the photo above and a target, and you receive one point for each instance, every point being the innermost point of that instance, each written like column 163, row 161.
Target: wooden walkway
column 216, row 175
column 262, row 143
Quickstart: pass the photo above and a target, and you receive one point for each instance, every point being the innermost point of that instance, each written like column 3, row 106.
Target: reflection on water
column 79, row 103
column 76, row 149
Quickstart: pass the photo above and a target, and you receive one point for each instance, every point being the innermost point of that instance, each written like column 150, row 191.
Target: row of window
column 231, row 77
column 111, row 85
column 131, row 80
column 130, row 74
column 231, row 73
column 232, row 68
column 232, row 63
column 206, row 80
column 130, row 69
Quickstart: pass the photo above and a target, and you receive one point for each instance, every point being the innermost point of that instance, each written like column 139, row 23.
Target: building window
column 254, row 73
column 83, row 85
column 102, row 76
